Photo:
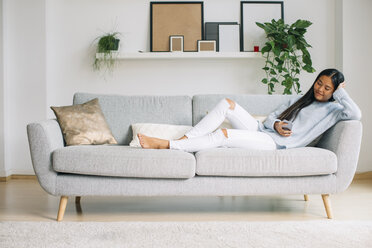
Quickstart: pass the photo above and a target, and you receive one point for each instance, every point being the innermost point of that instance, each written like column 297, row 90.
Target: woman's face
column 323, row 89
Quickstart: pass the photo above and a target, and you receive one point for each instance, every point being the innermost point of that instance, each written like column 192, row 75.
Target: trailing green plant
column 286, row 54
column 106, row 46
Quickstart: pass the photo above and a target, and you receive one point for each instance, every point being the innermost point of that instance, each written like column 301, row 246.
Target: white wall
column 70, row 57
column 357, row 54
column 2, row 160
column 25, row 91
column 50, row 57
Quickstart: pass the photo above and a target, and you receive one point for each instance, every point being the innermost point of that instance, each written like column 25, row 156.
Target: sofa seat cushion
column 124, row 161
column 304, row 161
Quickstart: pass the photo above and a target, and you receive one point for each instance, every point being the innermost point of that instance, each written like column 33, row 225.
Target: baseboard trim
column 15, row 176
column 358, row 176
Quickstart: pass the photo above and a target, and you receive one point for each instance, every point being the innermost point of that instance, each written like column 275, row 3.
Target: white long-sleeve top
column 312, row 120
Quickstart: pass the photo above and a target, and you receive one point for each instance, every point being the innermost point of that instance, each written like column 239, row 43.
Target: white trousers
column 245, row 132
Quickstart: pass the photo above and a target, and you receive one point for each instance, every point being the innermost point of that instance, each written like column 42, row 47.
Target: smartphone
column 288, row 126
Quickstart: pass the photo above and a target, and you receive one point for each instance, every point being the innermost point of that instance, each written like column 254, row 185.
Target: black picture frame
column 153, row 3
column 242, row 3
column 211, row 31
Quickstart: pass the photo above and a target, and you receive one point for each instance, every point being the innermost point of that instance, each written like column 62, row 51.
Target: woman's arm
column 272, row 118
column 350, row 110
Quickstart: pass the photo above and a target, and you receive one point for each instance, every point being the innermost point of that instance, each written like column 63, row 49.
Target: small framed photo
column 206, row 46
column 176, row 43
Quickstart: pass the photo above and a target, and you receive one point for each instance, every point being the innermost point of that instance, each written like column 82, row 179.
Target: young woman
column 311, row 115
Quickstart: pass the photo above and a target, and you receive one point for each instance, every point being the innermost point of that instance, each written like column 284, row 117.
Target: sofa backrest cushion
column 254, row 104
column 121, row 111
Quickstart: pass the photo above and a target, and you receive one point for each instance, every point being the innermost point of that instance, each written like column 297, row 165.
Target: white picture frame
column 176, row 43
column 252, row 12
column 229, row 37
column 207, row 48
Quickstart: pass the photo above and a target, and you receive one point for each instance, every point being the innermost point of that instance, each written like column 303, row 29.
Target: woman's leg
column 211, row 121
column 254, row 140
column 235, row 138
column 241, row 119
column 211, row 140
column 238, row 117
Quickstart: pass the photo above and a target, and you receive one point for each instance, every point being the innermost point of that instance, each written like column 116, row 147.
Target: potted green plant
column 107, row 45
column 286, row 54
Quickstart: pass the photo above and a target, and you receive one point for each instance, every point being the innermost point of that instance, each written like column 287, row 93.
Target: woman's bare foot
column 183, row 137
column 152, row 143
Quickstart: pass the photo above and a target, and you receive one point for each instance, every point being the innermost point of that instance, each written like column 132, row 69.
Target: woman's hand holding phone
column 283, row 128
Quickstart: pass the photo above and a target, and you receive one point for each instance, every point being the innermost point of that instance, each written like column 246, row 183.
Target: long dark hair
column 291, row 113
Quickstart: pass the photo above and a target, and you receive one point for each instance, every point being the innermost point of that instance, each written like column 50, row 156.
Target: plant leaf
column 301, row 24
column 266, row 49
column 260, row 25
column 274, row 80
column 276, row 51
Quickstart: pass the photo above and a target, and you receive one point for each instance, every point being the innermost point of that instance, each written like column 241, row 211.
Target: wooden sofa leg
column 77, row 199
column 62, row 207
column 306, row 197
column 327, row 205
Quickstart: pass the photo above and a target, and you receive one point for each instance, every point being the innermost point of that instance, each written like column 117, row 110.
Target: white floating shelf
column 185, row 55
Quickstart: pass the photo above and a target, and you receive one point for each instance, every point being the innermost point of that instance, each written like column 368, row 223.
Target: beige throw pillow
column 84, row 124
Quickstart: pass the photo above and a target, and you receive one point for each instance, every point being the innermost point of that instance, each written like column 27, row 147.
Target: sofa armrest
column 344, row 139
column 43, row 138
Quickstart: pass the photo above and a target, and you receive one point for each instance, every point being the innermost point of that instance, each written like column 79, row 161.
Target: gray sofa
column 325, row 167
